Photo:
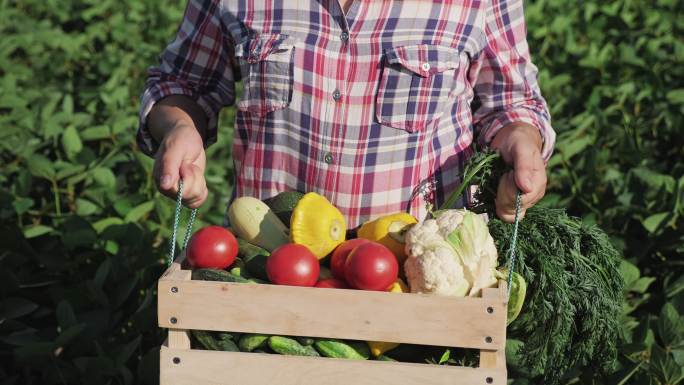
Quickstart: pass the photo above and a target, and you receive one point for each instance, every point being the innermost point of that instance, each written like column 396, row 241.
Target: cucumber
column 205, row 339
column 361, row 347
column 216, row 275
column 289, row 346
column 226, row 342
column 306, row 341
column 250, row 342
column 240, row 272
column 215, row 341
column 283, row 204
column 254, row 258
column 338, row 349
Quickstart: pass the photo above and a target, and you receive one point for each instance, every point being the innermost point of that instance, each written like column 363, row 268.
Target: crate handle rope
column 176, row 223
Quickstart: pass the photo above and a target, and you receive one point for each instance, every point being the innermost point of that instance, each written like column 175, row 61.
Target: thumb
column 524, row 167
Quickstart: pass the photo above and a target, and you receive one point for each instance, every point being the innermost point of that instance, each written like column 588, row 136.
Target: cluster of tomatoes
column 356, row 263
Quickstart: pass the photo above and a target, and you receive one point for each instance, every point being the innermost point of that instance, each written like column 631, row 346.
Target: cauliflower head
column 432, row 267
column 453, row 254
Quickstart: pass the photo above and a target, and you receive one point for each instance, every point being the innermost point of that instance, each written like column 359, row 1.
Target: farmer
column 373, row 104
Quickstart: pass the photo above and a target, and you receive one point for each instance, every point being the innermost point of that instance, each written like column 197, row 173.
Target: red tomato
column 332, row 283
column 371, row 266
column 294, row 265
column 212, row 247
column 339, row 256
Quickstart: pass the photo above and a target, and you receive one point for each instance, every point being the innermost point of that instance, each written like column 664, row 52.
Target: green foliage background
column 83, row 232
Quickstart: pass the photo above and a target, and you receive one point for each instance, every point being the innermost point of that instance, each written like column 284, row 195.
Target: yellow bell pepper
column 389, row 231
column 317, row 224
column 378, row 348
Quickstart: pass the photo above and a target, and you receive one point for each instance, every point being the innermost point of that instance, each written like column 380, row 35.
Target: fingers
column 195, row 190
column 170, row 166
column 167, row 170
column 508, row 189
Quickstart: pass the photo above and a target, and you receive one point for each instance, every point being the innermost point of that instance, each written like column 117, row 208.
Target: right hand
column 181, row 155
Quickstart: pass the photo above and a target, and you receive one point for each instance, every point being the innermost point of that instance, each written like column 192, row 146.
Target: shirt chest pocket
column 417, row 83
column 266, row 63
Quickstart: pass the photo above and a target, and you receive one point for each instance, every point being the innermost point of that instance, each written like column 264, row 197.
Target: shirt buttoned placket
column 333, row 153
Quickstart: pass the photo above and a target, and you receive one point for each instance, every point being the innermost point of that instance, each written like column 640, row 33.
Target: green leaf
column 36, row 231
column 102, row 224
column 65, row 315
column 445, row 356
column 96, row 133
column 655, row 221
column 676, row 96
column 41, row 166
column 127, row 350
column 15, row 307
column 85, row 207
column 630, row 273
column 71, row 142
column 104, row 177
column 70, row 333
column 139, row 211
column 670, row 325
column 642, row 284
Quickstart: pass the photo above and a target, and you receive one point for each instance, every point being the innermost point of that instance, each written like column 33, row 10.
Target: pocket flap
column 423, row 59
column 259, row 48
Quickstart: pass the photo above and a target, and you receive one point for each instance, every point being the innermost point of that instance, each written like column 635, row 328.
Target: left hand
column 520, row 146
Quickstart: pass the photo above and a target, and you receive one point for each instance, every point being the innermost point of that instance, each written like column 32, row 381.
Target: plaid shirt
column 375, row 109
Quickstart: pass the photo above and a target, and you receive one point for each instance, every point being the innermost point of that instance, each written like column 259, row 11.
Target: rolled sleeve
column 505, row 79
column 196, row 64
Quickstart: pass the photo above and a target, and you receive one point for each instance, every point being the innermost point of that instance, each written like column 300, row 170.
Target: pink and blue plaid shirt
column 375, row 109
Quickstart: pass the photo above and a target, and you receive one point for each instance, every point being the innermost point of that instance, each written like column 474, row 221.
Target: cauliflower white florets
column 451, row 255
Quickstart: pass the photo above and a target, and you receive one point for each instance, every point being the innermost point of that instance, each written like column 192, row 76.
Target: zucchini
column 338, row 349
column 289, row 346
column 254, row 258
column 283, row 204
column 256, row 223
column 250, row 342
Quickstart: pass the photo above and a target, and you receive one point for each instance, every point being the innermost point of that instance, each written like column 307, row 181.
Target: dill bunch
column 574, row 293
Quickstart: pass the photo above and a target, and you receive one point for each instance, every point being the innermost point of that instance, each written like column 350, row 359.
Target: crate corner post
column 496, row 359
column 178, row 339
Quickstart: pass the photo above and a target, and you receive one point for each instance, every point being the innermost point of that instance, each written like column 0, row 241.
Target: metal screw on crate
column 176, row 360
column 176, row 222
column 489, row 380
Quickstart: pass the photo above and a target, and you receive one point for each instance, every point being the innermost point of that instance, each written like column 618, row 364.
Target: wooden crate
column 476, row 323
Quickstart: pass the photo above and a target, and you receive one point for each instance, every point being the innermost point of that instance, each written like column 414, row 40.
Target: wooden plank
column 316, row 312
column 171, row 271
column 178, row 338
column 203, row 367
column 495, row 358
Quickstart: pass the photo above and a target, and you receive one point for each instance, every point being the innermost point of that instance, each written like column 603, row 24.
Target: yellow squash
column 378, row 348
column 389, row 231
column 317, row 224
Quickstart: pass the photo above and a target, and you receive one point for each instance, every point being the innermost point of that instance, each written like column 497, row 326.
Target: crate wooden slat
column 212, row 368
column 315, row 312
column 478, row 323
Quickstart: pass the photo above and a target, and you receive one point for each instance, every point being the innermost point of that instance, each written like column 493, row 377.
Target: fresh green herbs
column 570, row 317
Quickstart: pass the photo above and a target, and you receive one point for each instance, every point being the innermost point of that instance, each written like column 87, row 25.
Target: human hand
column 181, row 155
column 520, row 146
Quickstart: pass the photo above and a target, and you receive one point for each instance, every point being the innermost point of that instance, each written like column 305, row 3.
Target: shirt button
column 328, row 158
column 344, row 36
column 336, row 95
column 426, row 67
